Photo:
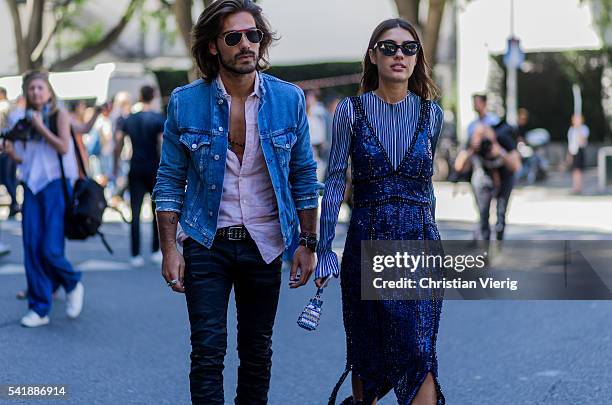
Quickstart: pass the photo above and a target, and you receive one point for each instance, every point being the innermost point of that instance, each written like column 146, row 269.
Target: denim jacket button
column 210, row 213
column 220, row 101
column 216, row 157
column 213, row 187
column 287, row 146
column 194, row 145
column 220, row 129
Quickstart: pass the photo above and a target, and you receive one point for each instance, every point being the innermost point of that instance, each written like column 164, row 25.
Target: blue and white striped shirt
column 394, row 124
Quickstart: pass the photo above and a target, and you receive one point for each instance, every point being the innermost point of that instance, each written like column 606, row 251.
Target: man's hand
column 173, row 268
column 303, row 258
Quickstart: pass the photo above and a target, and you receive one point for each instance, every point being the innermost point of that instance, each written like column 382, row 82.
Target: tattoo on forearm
column 167, row 222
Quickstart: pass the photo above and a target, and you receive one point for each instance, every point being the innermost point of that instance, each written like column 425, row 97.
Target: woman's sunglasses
column 233, row 38
column 389, row 48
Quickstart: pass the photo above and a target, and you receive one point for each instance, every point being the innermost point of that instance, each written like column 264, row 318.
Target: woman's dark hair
column 209, row 26
column 420, row 82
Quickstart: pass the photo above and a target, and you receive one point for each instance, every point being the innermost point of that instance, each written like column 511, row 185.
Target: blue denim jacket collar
column 259, row 90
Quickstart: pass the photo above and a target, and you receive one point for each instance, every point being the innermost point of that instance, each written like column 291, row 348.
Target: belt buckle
column 230, row 233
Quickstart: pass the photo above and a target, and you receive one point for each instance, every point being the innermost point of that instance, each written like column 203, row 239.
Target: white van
column 99, row 84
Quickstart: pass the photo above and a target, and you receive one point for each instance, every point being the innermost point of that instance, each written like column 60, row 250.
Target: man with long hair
column 237, row 171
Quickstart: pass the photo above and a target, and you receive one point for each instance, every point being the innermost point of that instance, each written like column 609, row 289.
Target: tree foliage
column 428, row 27
column 32, row 42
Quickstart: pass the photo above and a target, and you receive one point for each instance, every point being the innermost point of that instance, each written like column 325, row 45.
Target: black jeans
column 484, row 194
column 209, row 277
column 139, row 184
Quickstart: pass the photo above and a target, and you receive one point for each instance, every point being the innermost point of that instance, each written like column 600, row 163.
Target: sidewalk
column 548, row 204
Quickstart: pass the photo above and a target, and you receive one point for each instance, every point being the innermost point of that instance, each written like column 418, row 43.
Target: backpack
column 83, row 215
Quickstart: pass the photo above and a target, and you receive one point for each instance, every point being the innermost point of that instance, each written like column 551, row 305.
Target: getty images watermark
column 412, row 262
column 405, row 270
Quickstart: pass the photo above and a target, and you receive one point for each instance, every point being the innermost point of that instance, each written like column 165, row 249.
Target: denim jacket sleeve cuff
column 310, row 200
column 168, row 205
column 306, row 203
column 327, row 265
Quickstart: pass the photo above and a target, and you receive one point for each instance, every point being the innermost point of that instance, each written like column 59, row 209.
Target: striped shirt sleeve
column 334, row 189
column 436, row 122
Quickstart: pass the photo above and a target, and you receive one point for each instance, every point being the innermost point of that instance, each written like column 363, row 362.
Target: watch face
column 310, row 244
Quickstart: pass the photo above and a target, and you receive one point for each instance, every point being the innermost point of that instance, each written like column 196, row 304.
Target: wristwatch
column 309, row 240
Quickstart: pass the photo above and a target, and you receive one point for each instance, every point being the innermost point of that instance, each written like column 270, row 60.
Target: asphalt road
column 131, row 343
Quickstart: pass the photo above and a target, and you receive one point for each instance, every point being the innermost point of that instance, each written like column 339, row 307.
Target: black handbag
column 84, row 211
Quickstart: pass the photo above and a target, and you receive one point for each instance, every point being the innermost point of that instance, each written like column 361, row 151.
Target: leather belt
column 237, row 232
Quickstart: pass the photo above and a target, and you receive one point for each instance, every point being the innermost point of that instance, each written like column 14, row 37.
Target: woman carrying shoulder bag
column 44, row 201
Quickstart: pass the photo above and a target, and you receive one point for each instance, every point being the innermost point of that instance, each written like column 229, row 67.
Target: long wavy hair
column 420, row 81
column 209, row 26
column 28, row 77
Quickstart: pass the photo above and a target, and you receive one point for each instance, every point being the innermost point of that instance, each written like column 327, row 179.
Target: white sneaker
column 5, row 249
column 74, row 301
column 33, row 320
column 157, row 257
column 137, row 261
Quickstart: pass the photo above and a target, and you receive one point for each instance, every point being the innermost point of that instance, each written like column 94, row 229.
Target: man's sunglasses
column 389, row 48
column 233, row 38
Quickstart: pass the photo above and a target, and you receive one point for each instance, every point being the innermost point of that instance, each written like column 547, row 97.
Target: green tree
column 32, row 43
column 602, row 19
column 430, row 28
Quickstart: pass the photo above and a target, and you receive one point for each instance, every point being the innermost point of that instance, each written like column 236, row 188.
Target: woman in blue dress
column 389, row 132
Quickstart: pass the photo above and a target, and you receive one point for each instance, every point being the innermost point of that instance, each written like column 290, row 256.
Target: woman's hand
column 321, row 281
column 37, row 122
column 60, row 141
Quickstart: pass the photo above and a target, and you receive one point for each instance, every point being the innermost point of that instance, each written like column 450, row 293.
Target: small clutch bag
column 310, row 316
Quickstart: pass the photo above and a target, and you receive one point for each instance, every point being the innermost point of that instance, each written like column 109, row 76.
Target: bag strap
column 104, row 242
column 334, row 394
column 77, row 152
column 53, row 129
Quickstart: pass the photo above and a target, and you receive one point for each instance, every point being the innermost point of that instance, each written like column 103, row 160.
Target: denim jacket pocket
column 199, row 149
column 282, row 147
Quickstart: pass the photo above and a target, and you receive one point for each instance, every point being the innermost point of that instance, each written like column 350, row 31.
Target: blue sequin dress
column 390, row 344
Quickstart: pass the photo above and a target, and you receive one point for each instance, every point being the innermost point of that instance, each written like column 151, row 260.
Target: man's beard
column 233, row 66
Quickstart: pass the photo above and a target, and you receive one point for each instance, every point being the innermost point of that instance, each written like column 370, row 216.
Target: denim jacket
column 194, row 149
